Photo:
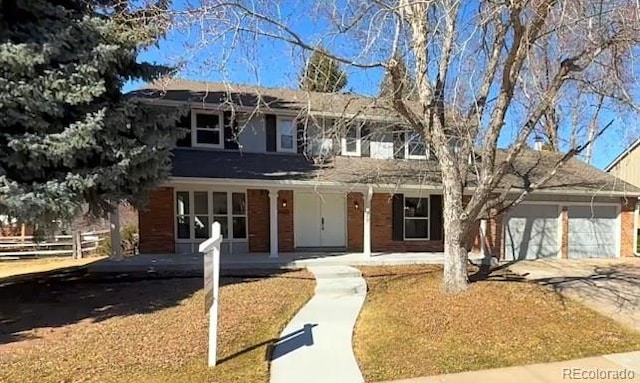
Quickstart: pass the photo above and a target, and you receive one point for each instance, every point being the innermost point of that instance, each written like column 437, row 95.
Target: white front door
column 320, row 219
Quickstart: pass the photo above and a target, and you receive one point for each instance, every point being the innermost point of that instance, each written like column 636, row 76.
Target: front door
column 320, row 219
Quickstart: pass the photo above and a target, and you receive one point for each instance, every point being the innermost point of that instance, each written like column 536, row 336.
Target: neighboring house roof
column 529, row 167
column 250, row 96
column 622, row 155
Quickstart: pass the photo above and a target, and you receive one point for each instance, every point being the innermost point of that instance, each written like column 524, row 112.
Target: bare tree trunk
column 455, row 278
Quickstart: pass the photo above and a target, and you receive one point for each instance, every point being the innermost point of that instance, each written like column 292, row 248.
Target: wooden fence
column 77, row 245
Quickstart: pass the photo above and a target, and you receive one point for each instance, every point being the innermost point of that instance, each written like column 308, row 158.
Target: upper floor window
column 206, row 129
column 286, row 135
column 414, row 146
column 351, row 143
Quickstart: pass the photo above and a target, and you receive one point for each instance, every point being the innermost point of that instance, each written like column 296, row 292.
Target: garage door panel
column 592, row 231
column 531, row 232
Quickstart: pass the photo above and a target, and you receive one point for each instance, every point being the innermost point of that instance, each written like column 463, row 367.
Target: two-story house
column 287, row 171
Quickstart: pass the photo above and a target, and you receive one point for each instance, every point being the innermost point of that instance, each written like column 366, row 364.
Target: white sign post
column 211, row 250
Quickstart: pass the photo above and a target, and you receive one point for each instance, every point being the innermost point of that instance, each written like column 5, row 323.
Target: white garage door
column 593, row 231
column 531, row 232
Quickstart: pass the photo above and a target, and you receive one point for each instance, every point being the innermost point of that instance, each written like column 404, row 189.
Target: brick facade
column 156, row 223
column 381, row 223
column 285, row 221
column 258, row 216
column 627, row 235
column 355, row 222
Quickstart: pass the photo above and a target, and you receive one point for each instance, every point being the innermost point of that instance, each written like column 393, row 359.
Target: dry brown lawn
column 409, row 328
column 39, row 265
column 143, row 331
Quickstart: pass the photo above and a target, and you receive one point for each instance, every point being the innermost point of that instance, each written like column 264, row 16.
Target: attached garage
column 593, row 231
column 532, row 232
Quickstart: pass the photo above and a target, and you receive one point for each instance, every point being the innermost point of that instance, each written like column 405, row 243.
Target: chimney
column 537, row 143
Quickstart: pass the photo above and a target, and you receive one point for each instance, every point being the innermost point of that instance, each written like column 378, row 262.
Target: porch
column 193, row 263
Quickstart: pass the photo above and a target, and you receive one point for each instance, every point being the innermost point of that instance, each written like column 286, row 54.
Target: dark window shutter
column 365, row 141
column 230, row 132
column 270, row 127
column 300, row 136
column 397, row 224
column 184, row 124
column 398, row 145
column 435, row 217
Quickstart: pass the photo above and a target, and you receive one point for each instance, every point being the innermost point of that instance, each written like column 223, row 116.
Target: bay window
column 416, row 218
column 197, row 210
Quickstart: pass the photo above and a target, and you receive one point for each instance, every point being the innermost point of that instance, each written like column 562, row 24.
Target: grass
column 409, row 328
column 144, row 331
column 39, row 265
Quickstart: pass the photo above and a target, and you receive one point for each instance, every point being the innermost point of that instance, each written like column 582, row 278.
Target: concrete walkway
column 316, row 345
column 584, row 370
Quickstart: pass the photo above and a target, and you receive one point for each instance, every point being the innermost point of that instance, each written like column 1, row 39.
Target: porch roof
column 528, row 168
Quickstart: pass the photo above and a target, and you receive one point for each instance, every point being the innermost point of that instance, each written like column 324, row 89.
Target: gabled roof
column 622, row 155
column 251, row 96
column 574, row 177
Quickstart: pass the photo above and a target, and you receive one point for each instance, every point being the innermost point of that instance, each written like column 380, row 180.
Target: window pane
column 182, row 203
column 417, row 149
column 224, row 225
column 415, row 228
column 207, row 121
column 200, row 203
column 416, row 207
column 208, row 137
column 184, row 227
column 219, row 203
column 286, row 127
column 352, row 145
column 239, row 227
column 352, row 132
column 286, row 142
column 239, row 204
column 201, row 226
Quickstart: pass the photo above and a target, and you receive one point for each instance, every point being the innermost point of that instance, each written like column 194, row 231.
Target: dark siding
column 230, row 131
column 397, row 222
column 398, row 145
column 270, row 126
column 365, row 141
column 435, row 218
column 184, row 124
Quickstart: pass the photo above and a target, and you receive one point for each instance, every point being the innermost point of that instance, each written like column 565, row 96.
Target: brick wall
column 381, row 221
column 258, row 215
column 355, row 222
column 285, row 221
column 627, row 235
column 156, row 222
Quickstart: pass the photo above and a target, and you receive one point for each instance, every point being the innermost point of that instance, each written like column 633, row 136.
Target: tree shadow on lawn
column 63, row 297
column 617, row 284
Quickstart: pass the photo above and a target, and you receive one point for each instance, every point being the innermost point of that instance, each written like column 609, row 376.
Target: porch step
column 333, row 272
column 338, row 280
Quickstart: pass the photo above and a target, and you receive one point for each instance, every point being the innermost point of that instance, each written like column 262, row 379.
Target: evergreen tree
column 407, row 89
column 323, row 74
column 68, row 134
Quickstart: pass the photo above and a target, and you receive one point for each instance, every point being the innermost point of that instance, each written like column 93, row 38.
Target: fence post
column 76, row 244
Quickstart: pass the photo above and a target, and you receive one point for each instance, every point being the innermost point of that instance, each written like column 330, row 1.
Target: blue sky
column 275, row 64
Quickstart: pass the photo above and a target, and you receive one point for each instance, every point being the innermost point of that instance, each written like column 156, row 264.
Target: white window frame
column 194, row 128
column 191, row 215
column 358, row 150
column 405, row 218
column 279, row 147
column 407, row 154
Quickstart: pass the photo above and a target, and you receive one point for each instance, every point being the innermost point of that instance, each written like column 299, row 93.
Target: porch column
column 366, row 243
column 273, row 223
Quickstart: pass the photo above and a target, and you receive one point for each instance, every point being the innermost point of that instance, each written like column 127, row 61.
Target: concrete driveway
column 609, row 286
